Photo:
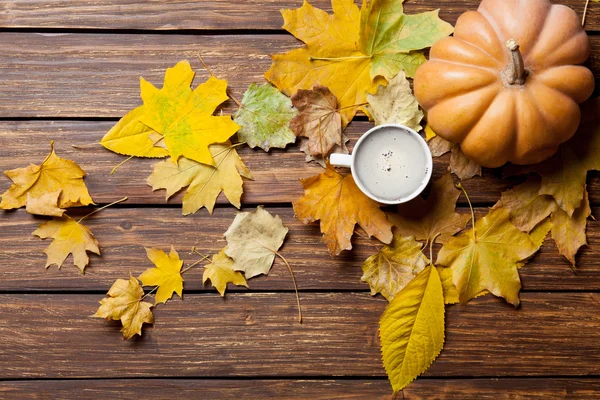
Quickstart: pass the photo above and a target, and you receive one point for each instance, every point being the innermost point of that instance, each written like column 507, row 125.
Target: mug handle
column 341, row 160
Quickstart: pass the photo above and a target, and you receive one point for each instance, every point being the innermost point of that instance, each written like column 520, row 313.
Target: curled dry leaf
column 124, row 303
column 166, row 275
column 395, row 104
column 434, row 218
column 220, row 272
column 352, row 51
column 568, row 232
column 53, row 185
column 564, row 174
column 394, row 266
column 412, row 329
column 178, row 120
column 339, row 204
column 322, row 161
column 204, row 182
column 460, row 164
column 264, row 118
column 486, row 257
column 69, row 237
column 318, row 120
column 253, row 240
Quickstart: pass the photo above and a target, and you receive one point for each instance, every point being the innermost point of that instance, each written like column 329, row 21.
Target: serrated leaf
column 40, row 184
column 264, row 118
column 318, row 120
column 339, row 204
column 394, row 266
column 204, row 182
column 412, row 329
column 433, row 218
column 395, row 104
column 220, row 272
column 69, row 237
column 253, row 238
column 569, row 232
column 124, row 303
column 166, row 275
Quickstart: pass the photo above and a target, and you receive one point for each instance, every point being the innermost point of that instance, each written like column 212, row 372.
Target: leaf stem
column 460, row 186
column 213, row 75
column 338, row 58
column 195, row 263
column 587, row 2
column 148, row 294
column 85, row 146
column 352, row 106
column 431, row 247
column 112, row 171
column 101, row 208
column 295, row 286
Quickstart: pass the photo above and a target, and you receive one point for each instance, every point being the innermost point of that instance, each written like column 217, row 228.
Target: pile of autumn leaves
column 351, row 61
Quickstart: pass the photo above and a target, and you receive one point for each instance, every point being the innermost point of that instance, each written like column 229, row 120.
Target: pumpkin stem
column 515, row 73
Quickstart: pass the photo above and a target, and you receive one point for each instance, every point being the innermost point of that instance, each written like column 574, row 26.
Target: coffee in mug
column 390, row 163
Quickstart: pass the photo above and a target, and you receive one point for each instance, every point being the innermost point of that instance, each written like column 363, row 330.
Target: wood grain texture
column 187, row 14
column 258, row 335
column 123, row 233
column 359, row 389
column 97, row 75
column 24, row 142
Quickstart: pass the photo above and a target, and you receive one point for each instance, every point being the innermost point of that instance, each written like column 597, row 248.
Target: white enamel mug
column 422, row 168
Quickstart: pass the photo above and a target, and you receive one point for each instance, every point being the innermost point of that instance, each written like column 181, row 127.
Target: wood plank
column 96, row 75
column 216, row 389
column 123, row 233
column 187, row 14
column 284, row 168
column 53, row 336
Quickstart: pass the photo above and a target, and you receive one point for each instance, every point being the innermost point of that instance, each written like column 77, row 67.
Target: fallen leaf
column 411, row 329
column 220, row 272
column 124, row 303
column 434, row 218
column 351, row 52
column 204, row 182
column 338, row 203
column 318, row 120
column 39, row 183
column 450, row 292
column 70, row 237
column 461, row 165
column 253, row 240
column 486, row 257
column 439, row 146
column 527, row 208
column 564, row 174
column 394, row 266
column 569, row 232
column 181, row 117
column 322, row 161
column 395, row 104
column 166, row 275
column 264, row 118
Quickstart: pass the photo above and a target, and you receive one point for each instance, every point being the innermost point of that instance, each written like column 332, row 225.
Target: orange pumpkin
column 508, row 85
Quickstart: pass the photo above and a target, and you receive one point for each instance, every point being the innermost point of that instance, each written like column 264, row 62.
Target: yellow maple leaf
column 486, row 257
column 412, row 329
column 204, row 182
column 352, row 51
column 40, row 184
column 220, row 272
column 70, row 237
column 124, row 303
column 434, row 218
column 176, row 115
column 166, row 275
column 335, row 199
column 394, row 266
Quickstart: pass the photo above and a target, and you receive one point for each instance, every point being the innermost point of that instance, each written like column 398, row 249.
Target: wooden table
column 68, row 70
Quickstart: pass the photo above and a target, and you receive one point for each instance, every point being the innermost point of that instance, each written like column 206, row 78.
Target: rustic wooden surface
column 69, row 69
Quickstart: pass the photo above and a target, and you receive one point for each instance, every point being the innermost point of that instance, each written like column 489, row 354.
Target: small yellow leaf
column 70, row 237
column 253, row 240
column 166, row 275
column 46, row 204
column 40, row 182
column 335, row 199
column 394, row 266
column 124, row 303
column 412, row 329
column 220, row 272
column 204, row 182
column 429, row 133
column 395, row 104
